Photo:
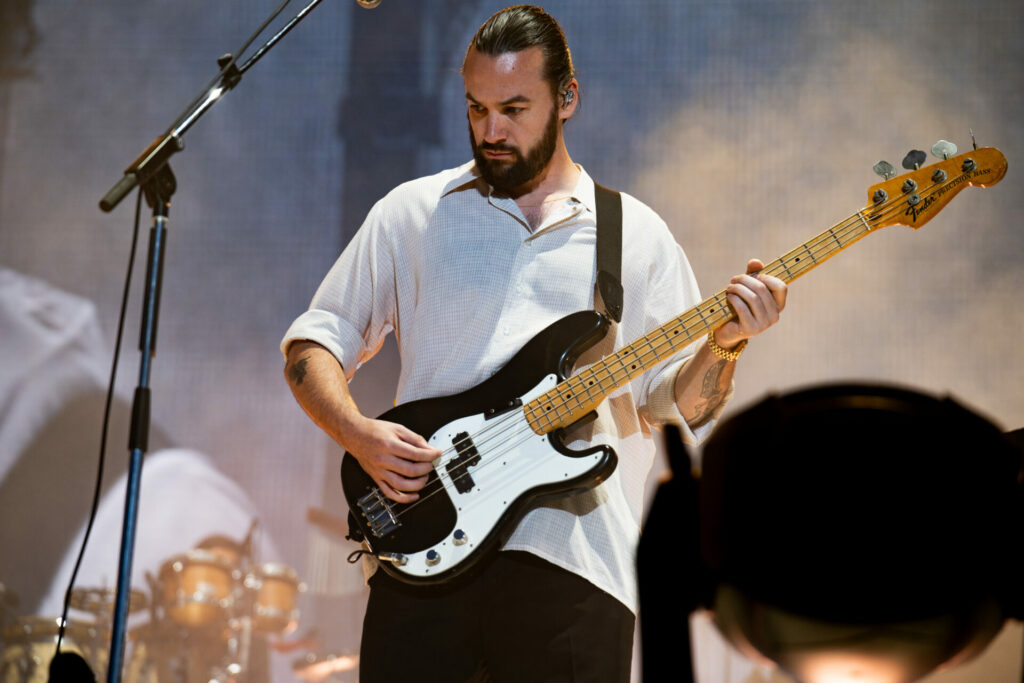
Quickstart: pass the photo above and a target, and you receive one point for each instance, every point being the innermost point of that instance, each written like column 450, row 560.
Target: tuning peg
column 884, row 169
column 943, row 149
column 914, row 159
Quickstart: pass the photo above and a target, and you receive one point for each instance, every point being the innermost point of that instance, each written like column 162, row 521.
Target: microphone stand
column 157, row 154
column 153, row 174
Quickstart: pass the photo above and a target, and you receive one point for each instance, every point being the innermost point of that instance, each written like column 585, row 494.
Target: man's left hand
column 756, row 299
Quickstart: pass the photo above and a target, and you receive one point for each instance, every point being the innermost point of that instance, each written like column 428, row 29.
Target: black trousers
column 518, row 619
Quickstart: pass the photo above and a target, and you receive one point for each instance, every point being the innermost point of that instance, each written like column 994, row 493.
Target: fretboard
column 911, row 199
column 580, row 394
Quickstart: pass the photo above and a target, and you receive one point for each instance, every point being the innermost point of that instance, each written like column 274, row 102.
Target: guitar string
column 840, row 230
column 832, row 243
column 838, row 233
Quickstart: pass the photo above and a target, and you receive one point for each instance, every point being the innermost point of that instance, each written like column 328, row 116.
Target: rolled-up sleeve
column 353, row 309
column 662, row 407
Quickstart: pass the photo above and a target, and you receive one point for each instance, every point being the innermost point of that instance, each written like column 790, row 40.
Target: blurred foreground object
column 847, row 533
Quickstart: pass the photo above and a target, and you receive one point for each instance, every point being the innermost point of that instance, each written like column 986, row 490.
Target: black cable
column 120, row 331
column 106, row 421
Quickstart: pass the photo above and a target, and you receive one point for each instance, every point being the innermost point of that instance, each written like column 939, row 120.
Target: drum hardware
column 8, row 601
column 29, row 645
column 319, row 667
column 100, row 601
column 210, row 607
column 207, row 607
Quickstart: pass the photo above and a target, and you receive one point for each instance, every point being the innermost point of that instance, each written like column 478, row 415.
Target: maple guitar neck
column 911, row 199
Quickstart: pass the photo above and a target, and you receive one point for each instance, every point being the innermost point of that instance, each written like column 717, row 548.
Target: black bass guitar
column 502, row 441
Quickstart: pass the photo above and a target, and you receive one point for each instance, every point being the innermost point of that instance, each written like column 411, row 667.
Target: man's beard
column 506, row 176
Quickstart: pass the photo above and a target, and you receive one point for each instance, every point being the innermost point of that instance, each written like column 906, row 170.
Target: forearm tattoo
column 297, row 371
column 711, row 392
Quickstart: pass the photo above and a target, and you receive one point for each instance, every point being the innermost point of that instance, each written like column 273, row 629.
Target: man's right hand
column 396, row 458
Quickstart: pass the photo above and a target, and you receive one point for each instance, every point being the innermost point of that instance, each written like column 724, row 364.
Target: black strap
column 609, row 249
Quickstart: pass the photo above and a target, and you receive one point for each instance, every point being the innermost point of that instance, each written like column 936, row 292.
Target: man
column 466, row 266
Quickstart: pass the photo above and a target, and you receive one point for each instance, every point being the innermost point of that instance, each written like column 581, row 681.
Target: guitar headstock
column 913, row 198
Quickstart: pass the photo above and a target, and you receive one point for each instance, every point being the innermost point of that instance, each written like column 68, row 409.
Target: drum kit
column 211, row 612
column 28, row 643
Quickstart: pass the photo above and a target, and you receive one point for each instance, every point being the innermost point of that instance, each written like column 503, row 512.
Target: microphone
column 368, row 4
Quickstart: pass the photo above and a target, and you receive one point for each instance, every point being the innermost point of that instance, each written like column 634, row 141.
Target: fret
column 535, row 421
column 675, row 341
column 553, row 408
column 832, row 234
column 800, row 266
column 671, row 339
column 620, row 358
column 573, row 394
column 653, row 349
column 860, row 215
column 605, row 383
column 556, row 407
column 811, row 254
column 782, row 262
column 723, row 307
column 632, row 360
column 804, row 266
column 552, row 402
column 588, row 383
column 689, row 337
column 663, row 338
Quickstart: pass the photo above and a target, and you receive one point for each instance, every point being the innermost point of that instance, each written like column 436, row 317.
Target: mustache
column 497, row 147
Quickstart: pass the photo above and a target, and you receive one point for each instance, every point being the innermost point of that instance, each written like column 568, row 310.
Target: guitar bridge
column 377, row 510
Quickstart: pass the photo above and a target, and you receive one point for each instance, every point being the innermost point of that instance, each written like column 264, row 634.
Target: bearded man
column 465, row 267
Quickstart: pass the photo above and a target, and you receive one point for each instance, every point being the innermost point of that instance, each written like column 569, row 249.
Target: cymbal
column 100, row 601
column 315, row 668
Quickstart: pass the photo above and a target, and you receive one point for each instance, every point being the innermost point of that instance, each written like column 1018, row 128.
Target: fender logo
column 917, row 209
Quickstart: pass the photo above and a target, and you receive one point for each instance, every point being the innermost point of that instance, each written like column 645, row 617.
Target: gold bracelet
column 722, row 353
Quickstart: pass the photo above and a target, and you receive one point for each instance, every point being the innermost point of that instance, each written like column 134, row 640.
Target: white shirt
column 456, row 272
column 52, row 353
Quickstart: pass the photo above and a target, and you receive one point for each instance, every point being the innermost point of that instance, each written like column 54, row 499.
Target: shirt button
column 505, row 330
column 519, row 288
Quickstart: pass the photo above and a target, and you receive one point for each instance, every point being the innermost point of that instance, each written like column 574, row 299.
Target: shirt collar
column 583, row 192
column 468, row 176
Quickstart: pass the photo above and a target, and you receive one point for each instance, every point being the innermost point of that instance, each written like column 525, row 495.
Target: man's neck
column 557, row 180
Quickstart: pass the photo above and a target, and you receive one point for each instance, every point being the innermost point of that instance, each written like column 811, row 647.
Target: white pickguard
column 513, row 459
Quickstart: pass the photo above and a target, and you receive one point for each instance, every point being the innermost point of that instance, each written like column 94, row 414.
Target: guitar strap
column 609, row 249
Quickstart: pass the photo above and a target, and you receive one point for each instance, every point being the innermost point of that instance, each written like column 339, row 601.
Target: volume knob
column 433, row 557
column 459, row 537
